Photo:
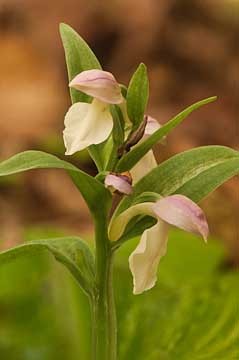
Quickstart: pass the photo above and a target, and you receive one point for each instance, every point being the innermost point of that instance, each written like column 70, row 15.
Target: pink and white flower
column 87, row 124
column 176, row 210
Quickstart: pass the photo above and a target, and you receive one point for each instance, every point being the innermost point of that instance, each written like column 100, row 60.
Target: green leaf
column 137, row 95
column 79, row 57
column 70, row 251
column 194, row 173
column 91, row 189
column 131, row 158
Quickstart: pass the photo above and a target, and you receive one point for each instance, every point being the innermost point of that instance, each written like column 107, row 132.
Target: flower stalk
column 104, row 315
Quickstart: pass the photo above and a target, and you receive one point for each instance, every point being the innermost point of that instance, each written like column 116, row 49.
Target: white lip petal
column 86, row 124
column 99, row 84
column 180, row 211
column 144, row 166
column 144, row 260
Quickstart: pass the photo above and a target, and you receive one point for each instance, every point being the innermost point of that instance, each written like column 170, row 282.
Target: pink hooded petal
column 180, row 211
column 119, row 182
column 99, row 84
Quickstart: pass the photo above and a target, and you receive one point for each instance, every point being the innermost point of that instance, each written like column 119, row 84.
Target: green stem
column 104, row 319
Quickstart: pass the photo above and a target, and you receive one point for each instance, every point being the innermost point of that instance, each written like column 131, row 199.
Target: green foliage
column 137, row 95
column 190, row 314
column 194, row 173
column 72, row 252
column 131, row 158
column 79, row 57
column 44, row 312
column 91, row 189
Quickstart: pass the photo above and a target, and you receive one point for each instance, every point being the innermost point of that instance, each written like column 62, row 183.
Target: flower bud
column 120, row 183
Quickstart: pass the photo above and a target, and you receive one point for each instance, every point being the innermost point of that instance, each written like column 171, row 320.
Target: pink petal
column 99, row 84
column 119, row 182
column 180, row 211
column 152, row 125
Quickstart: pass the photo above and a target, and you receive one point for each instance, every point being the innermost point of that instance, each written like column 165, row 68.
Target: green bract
column 137, row 95
column 130, row 159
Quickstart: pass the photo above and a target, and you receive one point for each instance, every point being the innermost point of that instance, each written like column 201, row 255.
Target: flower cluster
column 92, row 123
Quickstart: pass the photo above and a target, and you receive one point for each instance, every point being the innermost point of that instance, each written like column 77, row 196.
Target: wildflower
column 87, row 124
column 176, row 210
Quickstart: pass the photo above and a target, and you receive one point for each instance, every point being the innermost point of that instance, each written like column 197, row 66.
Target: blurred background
column 191, row 50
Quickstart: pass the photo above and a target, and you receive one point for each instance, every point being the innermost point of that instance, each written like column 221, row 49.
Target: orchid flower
column 87, row 124
column 176, row 210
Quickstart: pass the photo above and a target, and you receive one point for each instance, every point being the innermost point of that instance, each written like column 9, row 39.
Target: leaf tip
column 62, row 27
column 142, row 67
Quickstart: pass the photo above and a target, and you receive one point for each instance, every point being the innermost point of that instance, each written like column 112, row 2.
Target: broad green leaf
column 79, row 57
column 91, row 189
column 70, row 251
column 137, row 95
column 194, row 173
column 132, row 157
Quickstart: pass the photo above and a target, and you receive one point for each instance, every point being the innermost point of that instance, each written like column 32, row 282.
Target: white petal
column 99, row 84
column 118, row 224
column 143, row 262
column 144, row 166
column 180, row 211
column 86, row 124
